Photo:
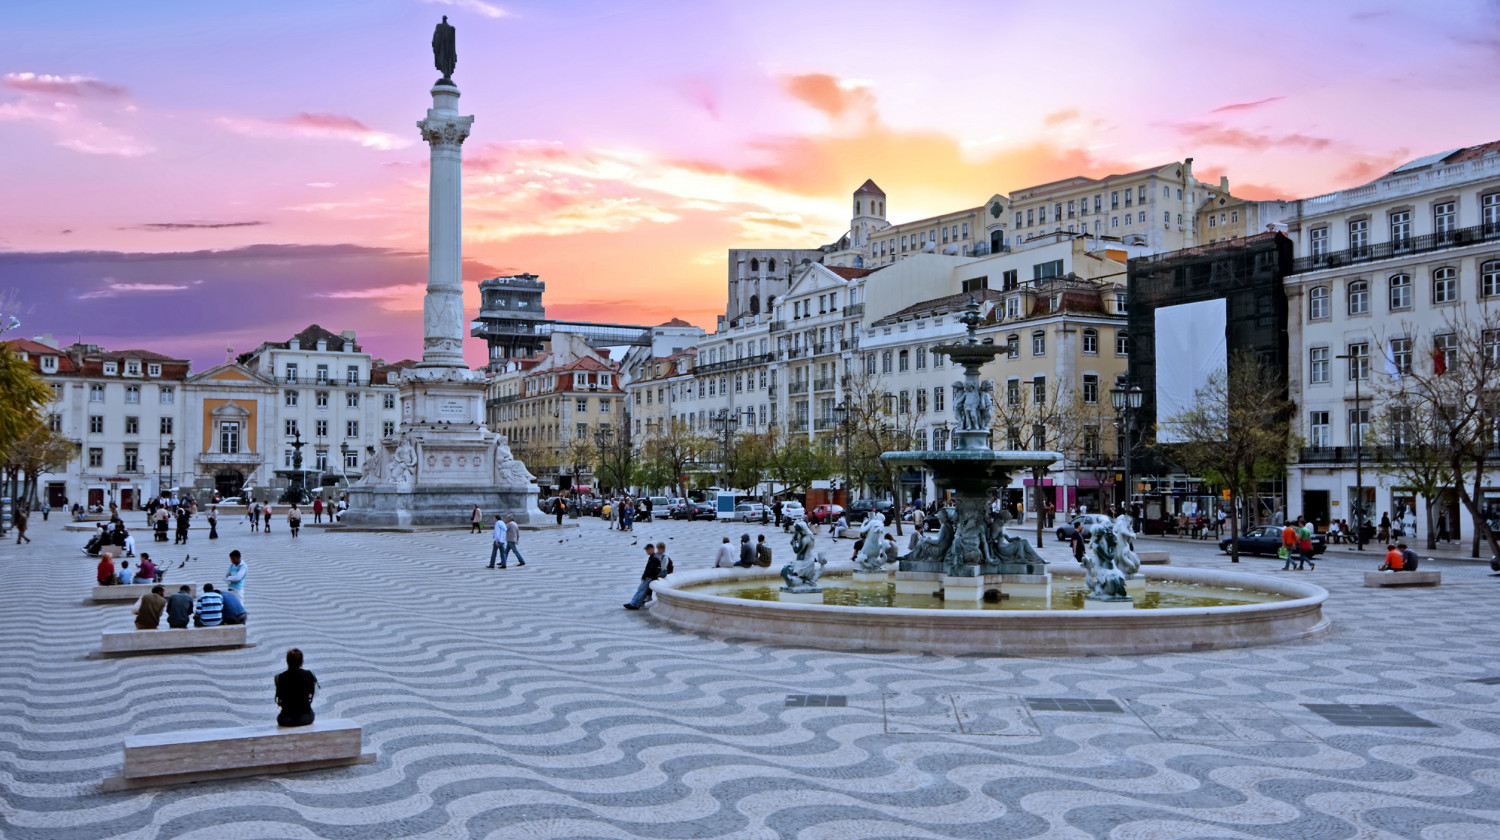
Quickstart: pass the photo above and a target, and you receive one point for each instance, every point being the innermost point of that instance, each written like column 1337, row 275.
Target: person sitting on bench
column 234, row 609
column 210, row 608
column 295, row 688
column 1394, row 562
column 148, row 609
column 180, row 608
column 105, row 573
column 146, row 571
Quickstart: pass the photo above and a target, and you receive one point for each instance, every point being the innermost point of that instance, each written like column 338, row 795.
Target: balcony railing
column 849, row 344
column 799, row 425
column 1398, row 248
column 734, row 364
column 129, row 469
column 797, row 388
column 825, row 384
column 854, row 310
column 1346, row 454
column 823, row 424
column 778, row 326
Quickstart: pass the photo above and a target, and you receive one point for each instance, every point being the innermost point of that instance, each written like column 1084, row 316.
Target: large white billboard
column 1190, row 348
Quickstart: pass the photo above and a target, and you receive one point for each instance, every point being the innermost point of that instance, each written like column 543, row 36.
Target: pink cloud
column 69, row 86
column 1218, row 134
column 317, row 127
column 1246, row 106
column 74, row 128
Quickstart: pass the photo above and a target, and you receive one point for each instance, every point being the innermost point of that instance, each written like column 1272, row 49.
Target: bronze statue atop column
column 444, row 51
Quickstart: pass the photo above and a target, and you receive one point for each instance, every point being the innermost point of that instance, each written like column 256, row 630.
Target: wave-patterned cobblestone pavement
column 526, row 703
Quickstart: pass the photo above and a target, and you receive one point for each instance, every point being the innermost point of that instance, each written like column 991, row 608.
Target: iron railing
column 1398, row 248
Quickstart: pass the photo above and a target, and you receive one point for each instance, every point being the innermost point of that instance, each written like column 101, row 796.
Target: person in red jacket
column 1394, row 562
column 106, row 571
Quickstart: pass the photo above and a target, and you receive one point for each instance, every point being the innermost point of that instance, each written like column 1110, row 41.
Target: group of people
column 757, row 554
column 212, row 608
column 168, row 510
column 621, row 513
column 259, row 515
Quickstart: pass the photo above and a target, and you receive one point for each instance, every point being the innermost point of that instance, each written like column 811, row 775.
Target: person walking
column 512, row 537
column 265, row 513
column 476, row 520
column 253, row 511
column 627, row 516
column 1077, row 544
column 183, row 518
column 213, row 522
column 294, row 521
column 497, row 543
column 318, row 512
column 1442, row 527
column 559, row 508
column 21, row 519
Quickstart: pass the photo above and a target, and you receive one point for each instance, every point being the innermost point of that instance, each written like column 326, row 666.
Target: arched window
column 1359, row 297
column 1489, row 278
column 1400, row 291
column 754, row 264
column 1317, row 303
column 856, row 207
column 770, row 301
column 772, row 267
column 1444, row 285
column 1122, row 342
column 755, row 304
column 1091, row 342
column 1039, row 343
column 1012, row 346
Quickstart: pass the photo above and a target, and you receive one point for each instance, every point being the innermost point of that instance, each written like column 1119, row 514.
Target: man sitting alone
column 148, row 609
column 180, row 608
column 210, row 608
column 234, row 609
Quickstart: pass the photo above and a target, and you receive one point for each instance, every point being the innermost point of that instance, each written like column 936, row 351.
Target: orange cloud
column 831, row 95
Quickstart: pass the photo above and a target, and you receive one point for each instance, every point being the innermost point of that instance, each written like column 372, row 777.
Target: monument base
column 380, row 508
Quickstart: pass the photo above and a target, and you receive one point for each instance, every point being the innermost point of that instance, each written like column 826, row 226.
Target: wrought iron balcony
column 798, row 425
column 778, row 326
column 797, row 387
column 854, row 310
column 1398, row 248
column 825, row 423
column 825, row 384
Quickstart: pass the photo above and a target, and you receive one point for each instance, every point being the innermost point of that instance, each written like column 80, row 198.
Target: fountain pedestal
column 870, row 577
column 786, row 597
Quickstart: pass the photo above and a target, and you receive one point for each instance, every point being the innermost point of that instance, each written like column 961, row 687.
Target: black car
column 1083, row 523
column 1266, row 539
column 861, row 510
column 695, row 510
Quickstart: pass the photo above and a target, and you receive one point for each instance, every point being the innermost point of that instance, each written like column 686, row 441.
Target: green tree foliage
column 795, row 462
column 22, row 395
column 671, row 454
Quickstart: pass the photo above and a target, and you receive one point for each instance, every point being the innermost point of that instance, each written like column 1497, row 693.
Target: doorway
column 1315, row 506
column 229, row 482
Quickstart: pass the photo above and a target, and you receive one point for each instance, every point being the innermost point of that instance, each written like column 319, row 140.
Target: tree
column 1413, row 453
column 22, row 395
column 579, row 454
column 1455, row 388
column 1237, row 432
column 39, row 450
column 1042, row 418
column 670, row 453
column 877, row 424
column 749, row 458
column 795, row 463
column 618, row 466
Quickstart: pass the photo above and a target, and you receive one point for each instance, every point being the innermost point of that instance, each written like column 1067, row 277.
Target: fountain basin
column 1008, row 632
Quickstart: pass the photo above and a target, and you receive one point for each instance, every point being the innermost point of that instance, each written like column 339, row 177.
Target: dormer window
column 111, row 368
column 604, row 380
column 49, row 364
column 580, row 380
column 132, row 367
column 153, row 369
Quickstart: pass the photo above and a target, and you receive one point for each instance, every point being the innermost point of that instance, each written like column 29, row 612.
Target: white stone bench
column 195, row 755
column 190, row 638
column 1154, row 558
column 132, row 591
column 1417, row 578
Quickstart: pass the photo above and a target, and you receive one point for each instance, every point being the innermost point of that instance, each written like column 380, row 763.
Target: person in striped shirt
column 210, row 608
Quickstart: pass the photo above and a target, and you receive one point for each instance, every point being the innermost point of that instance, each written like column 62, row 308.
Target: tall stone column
column 443, row 308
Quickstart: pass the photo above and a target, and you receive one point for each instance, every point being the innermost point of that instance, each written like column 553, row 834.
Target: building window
column 165, row 426
column 322, row 374
column 885, row 362
column 1091, row 342
column 903, row 361
column 921, row 400
column 1039, row 390
column 1401, row 229
column 1400, row 350
column 1317, row 365
column 290, row 398
column 351, row 375
column 1013, row 392
column 1317, row 428
column 939, row 399
column 1489, row 278
column 132, row 394
column 1039, row 343
column 164, row 458
column 1400, row 291
column 905, row 403
column 168, row 394
column 582, row 431
column 1359, row 297
column 1359, row 360
column 153, row 369
column 351, row 428
column 96, row 424
column 604, row 405
column 96, row 393
column 1090, row 388
column 1114, row 200
column 351, row 399
column 96, row 457
column 1444, row 285
column 229, row 437
column 351, row 459
column 110, row 368
column 921, row 358
column 291, row 428
column 388, row 428
column 132, row 425
column 1122, row 342
column 388, row 401
column 321, row 398
column 1490, row 213
column 1445, row 346
column 1359, row 235
column 1012, row 346
column 321, row 428
column 291, row 374
column 1359, row 426
column 1317, row 303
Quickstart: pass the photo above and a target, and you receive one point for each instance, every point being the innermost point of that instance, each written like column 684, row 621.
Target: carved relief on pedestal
column 442, row 133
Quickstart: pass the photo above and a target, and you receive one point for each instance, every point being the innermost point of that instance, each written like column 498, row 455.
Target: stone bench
column 1417, row 578
column 191, row 638
column 1154, row 558
column 132, row 591
column 195, row 755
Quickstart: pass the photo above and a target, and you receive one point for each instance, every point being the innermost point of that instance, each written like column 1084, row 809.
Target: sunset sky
column 189, row 176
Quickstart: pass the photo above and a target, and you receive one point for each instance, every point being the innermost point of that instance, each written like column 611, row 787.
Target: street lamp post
column 1126, row 397
column 841, row 416
column 344, row 463
column 1359, row 454
column 725, row 423
column 171, row 462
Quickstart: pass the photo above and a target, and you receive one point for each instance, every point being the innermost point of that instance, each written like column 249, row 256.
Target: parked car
column 231, row 502
column 695, row 510
column 749, row 512
column 826, row 513
column 1266, row 539
column 1081, row 523
column 862, row 508
column 792, row 511
column 674, row 505
column 660, row 505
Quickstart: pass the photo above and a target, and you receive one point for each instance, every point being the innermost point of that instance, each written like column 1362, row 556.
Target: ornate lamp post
column 1126, row 397
column 725, row 422
column 344, row 464
column 1357, row 432
column 171, row 462
column 841, row 416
